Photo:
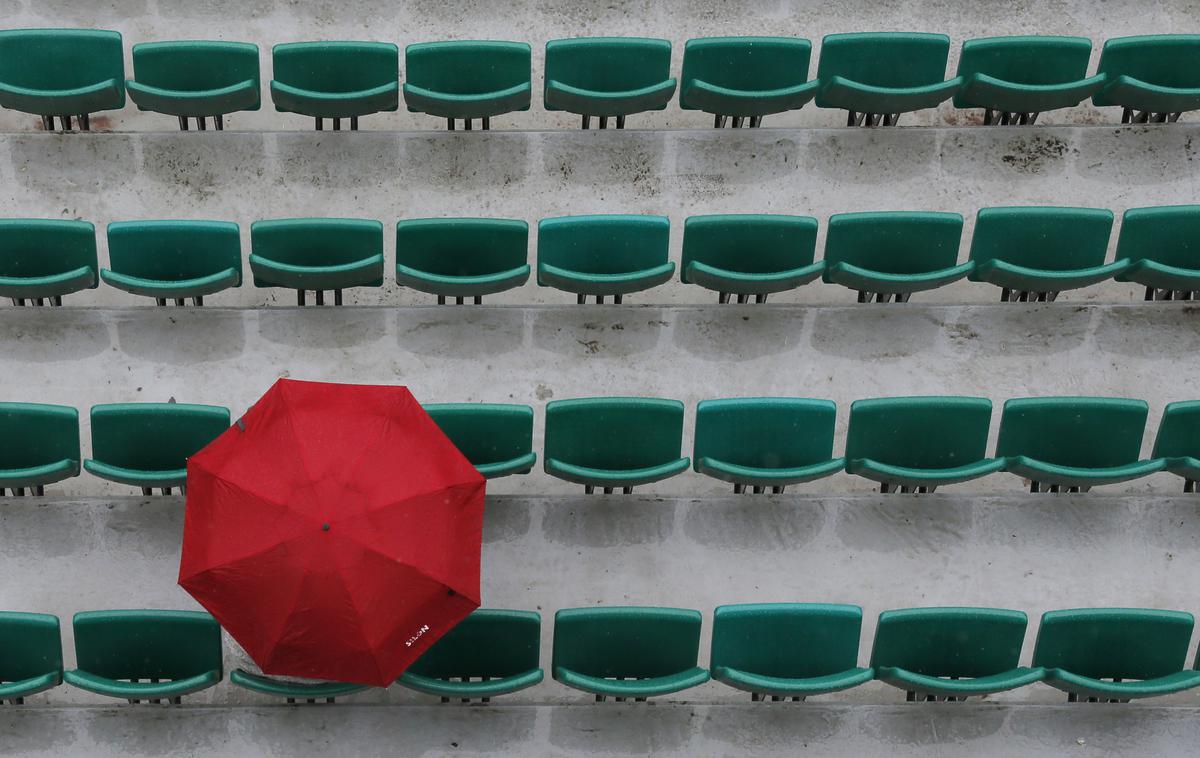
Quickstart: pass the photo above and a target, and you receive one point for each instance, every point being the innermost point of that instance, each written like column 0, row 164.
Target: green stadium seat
column 174, row 260
column 1115, row 654
column 742, row 79
column 1153, row 78
column 608, row 76
column 917, row 444
column 146, row 655
column 488, row 654
column 1161, row 246
column 877, row 76
column 603, row 255
column 893, row 254
column 147, row 444
column 612, row 442
column 336, row 80
column 1074, row 443
column 761, row 442
column 317, row 254
column 309, row 692
column 43, row 259
column 468, row 79
column 39, row 445
column 31, row 661
column 195, row 79
column 1015, row 78
column 951, row 654
column 1178, row 442
column 787, row 650
column 61, row 72
column 496, row 438
column 748, row 255
column 462, row 257
column 1035, row 253
column 627, row 652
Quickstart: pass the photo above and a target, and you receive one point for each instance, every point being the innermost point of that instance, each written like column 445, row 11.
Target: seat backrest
column 60, row 59
column 749, row 244
column 30, row 646
column 765, row 432
column 789, row 640
column 32, row 247
column 1088, row 432
column 1107, row 643
column 489, row 643
column 896, row 242
column 1165, row 60
column 336, row 66
column 462, row 246
column 1179, row 431
column 919, row 432
column 950, row 642
column 174, row 250
column 630, row 642
column 195, row 65
column 603, row 244
column 1027, row 60
column 615, row 433
column 154, row 436
column 316, row 241
column 468, row 67
column 1168, row 234
column 747, row 63
column 885, row 59
column 486, row 432
column 1053, row 239
column 34, row 435
column 147, row 644
column 608, row 64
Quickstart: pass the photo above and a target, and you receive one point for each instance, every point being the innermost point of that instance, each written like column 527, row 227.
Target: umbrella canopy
column 334, row 531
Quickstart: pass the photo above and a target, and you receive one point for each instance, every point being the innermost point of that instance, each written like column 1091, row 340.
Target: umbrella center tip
column 325, row 527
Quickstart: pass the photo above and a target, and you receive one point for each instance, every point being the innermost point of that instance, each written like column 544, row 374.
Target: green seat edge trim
column 660, row 685
column 31, row 686
column 462, row 286
column 35, row 476
column 281, row 688
column 491, row 688
column 136, row 477
column 888, row 474
column 615, row 478
column 1074, row 476
column 604, row 284
column 866, row 280
column 522, row 464
column 102, row 685
column 172, row 288
column 54, row 285
column 792, row 687
column 366, row 272
column 735, row 474
column 975, row 686
column 1066, row 681
column 738, row 283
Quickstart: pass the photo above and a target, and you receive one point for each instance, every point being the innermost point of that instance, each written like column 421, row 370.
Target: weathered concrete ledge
column 924, row 729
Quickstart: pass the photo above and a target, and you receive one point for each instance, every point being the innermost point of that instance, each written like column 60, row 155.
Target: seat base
column 1131, row 116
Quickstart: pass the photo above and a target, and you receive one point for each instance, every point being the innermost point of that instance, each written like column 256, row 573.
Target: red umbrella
column 334, row 531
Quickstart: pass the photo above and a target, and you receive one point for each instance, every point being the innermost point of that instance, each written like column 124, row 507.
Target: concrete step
column 244, row 177
column 85, row 356
column 662, row 729
column 1030, row 553
column 267, row 22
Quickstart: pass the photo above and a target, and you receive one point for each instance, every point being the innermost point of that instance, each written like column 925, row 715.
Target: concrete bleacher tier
column 684, row 542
